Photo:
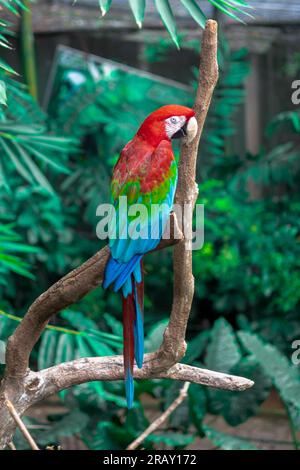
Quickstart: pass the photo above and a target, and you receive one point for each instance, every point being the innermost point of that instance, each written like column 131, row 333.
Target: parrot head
column 169, row 122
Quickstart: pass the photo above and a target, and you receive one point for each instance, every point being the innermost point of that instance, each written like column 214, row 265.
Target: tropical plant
column 231, row 8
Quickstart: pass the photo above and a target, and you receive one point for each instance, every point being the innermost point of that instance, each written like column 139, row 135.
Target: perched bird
column 146, row 173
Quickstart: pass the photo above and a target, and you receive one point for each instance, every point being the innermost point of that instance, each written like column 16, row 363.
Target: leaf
column 2, row 352
column 108, row 436
column 19, row 167
column 155, row 336
column 50, row 161
column 223, row 352
column 239, row 406
column 65, row 350
column 180, row 417
column 226, row 441
column 172, row 439
column 70, row 424
column 47, row 350
column 2, row 93
column 97, row 348
column 195, row 11
column 195, row 347
column 115, row 325
column 136, row 421
column 225, row 10
column 166, row 14
column 78, row 320
column 283, row 374
column 197, row 406
column 36, row 173
column 18, row 247
column 6, row 67
column 138, row 9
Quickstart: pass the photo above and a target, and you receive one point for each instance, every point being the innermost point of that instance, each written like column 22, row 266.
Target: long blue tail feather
column 129, row 388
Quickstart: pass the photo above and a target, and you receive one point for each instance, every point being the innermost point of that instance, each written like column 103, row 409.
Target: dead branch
column 21, row 425
column 11, row 446
column 67, row 291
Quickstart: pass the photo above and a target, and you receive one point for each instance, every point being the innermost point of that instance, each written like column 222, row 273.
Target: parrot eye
column 173, row 124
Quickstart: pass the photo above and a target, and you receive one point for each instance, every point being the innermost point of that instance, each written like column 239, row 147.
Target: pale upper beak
column 191, row 129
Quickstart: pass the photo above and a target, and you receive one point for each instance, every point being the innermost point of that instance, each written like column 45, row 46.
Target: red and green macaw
column 146, row 173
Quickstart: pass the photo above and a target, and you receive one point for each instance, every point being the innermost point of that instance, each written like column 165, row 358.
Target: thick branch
column 187, row 192
column 21, row 425
column 49, row 381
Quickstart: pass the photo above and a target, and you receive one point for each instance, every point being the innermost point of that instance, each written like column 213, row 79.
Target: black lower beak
column 181, row 133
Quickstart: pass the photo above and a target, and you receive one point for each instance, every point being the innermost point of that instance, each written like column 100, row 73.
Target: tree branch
column 187, row 192
column 67, row 291
column 162, row 418
column 21, row 425
column 49, row 381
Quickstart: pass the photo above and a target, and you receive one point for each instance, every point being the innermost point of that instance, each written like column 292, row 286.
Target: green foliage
column 195, row 11
column 288, row 120
column 226, row 441
column 2, row 92
column 223, row 351
column 240, row 406
column 166, row 14
column 231, row 8
column 13, row 6
column 261, row 244
column 11, row 247
column 171, row 439
column 68, row 425
column 285, row 377
column 26, row 146
column 228, row 97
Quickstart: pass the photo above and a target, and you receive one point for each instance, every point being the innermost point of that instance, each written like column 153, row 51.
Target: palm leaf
column 138, row 10
column 104, row 6
column 166, row 14
column 195, row 11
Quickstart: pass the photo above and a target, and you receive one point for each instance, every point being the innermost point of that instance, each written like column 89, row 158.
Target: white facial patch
column 173, row 124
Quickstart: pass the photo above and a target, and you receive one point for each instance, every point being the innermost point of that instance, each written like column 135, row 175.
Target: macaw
column 146, row 173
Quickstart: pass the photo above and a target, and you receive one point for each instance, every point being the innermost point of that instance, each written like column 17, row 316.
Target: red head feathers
column 165, row 123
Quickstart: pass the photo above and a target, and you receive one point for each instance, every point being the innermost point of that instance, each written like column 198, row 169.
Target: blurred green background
column 55, row 166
